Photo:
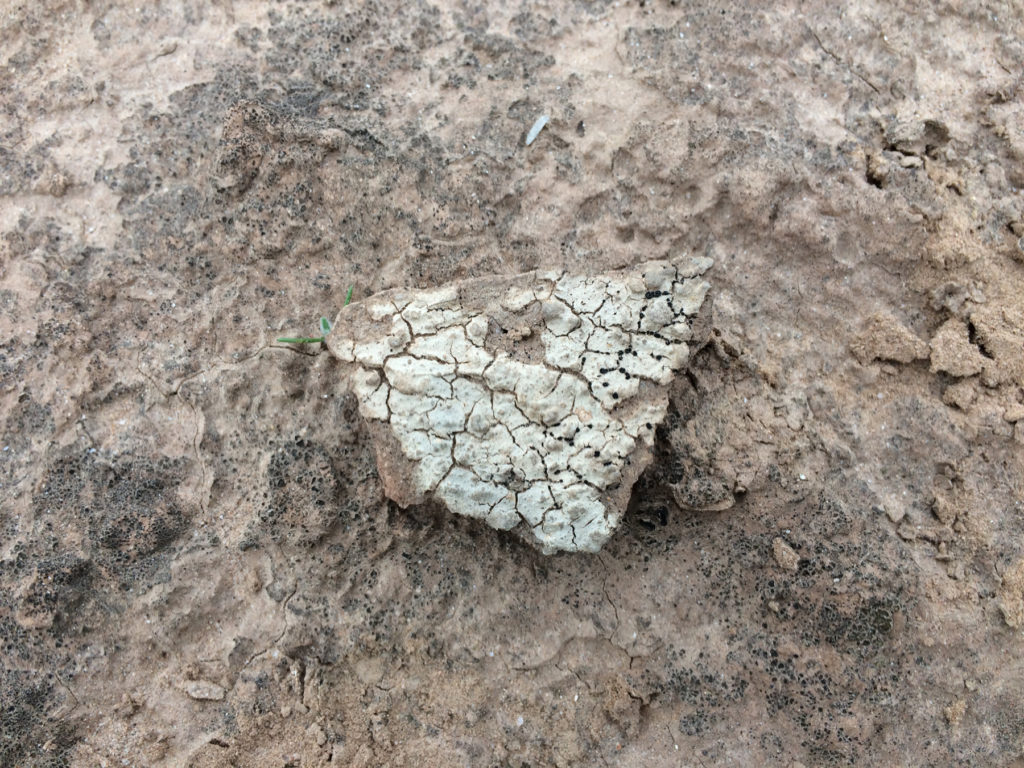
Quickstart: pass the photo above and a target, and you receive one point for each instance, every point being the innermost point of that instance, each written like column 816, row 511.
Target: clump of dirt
column 198, row 563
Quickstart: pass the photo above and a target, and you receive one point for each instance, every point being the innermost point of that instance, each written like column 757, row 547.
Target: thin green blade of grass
column 303, row 340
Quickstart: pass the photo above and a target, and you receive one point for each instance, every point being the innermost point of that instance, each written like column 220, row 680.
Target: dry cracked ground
column 824, row 564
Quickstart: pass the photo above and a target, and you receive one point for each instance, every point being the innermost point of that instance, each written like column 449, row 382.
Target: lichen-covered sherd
column 529, row 402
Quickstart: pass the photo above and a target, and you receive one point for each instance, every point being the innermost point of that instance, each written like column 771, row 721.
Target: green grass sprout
column 325, row 328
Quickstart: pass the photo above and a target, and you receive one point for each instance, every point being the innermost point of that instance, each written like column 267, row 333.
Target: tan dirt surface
column 198, row 566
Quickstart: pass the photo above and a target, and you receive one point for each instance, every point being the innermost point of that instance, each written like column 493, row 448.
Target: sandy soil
column 823, row 566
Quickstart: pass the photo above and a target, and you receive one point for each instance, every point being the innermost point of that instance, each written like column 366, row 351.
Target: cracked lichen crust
column 528, row 402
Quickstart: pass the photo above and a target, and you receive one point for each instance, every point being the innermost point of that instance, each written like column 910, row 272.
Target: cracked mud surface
column 546, row 441
column 199, row 564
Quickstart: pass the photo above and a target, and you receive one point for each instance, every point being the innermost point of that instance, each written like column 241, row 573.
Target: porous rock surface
column 528, row 402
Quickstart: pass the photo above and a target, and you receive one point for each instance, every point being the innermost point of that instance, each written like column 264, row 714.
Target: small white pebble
column 538, row 126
